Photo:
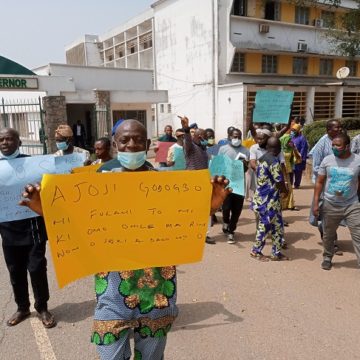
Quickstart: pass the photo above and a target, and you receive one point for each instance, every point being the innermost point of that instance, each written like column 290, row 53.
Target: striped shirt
column 320, row 150
column 196, row 157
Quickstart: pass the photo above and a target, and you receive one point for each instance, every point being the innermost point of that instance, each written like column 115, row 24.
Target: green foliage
column 313, row 132
column 346, row 38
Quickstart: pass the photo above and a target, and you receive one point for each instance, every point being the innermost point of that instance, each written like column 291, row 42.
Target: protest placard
column 65, row 164
column 233, row 170
column 163, row 148
column 99, row 222
column 273, row 106
column 15, row 174
column 179, row 159
column 86, row 169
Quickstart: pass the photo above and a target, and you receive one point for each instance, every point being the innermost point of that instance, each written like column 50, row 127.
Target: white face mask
column 235, row 142
column 132, row 160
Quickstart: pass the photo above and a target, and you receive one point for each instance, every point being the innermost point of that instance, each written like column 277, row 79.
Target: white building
column 213, row 55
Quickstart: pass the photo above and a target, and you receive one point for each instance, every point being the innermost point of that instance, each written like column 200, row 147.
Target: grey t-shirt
column 232, row 152
column 341, row 179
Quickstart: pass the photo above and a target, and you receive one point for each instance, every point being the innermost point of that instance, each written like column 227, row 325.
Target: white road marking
column 41, row 337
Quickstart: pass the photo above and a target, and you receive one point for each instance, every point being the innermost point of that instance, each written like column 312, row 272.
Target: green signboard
column 18, row 83
column 273, row 106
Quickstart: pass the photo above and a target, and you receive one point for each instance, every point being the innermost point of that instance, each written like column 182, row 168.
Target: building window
column 272, row 10
column 269, row 64
column 300, row 65
column 238, row 64
column 352, row 65
column 110, row 58
column 132, row 49
column 302, row 15
column 240, row 7
column 162, row 108
column 169, row 108
column 328, row 19
column 326, row 67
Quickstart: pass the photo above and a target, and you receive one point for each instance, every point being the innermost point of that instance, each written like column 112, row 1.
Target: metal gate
column 26, row 116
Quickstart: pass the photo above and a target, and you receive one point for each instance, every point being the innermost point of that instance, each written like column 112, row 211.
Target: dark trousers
column 231, row 210
column 295, row 178
column 79, row 141
column 21, row 259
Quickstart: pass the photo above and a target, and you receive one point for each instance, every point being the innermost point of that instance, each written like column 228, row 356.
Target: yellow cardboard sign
column 99, row 222
column 86, row 169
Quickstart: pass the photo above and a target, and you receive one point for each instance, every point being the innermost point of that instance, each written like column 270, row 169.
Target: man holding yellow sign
column 140, row 298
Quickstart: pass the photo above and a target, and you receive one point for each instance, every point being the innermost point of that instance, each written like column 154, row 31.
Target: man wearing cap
column 301, row 145
column 64, row 142
column 149, row 312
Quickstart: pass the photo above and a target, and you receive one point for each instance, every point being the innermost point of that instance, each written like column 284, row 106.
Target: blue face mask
column 292, row 134
column 62, row 145
column 204, row 142
column 12, row 156
column 132, row 160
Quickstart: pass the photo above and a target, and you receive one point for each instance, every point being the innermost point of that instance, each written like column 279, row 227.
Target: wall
column 231, row 109
column 183, row 47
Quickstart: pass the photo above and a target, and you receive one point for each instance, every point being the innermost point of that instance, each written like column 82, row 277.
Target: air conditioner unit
column 264, row 28
column 302, row 47
column 318, row 22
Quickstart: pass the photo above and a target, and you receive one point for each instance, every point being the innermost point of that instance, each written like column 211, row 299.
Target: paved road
column 231, row 306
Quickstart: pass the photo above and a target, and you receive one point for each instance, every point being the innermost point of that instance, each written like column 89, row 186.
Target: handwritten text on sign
column 273, row 106
column 98, row 222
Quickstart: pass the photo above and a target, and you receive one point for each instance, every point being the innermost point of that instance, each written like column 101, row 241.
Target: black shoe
column 286, row 223
column 225, row 228
column 326, row 264
column 210, row 241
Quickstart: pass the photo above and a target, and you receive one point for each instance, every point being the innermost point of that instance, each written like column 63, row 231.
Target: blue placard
column 14, row 176
column 17, row 173
column 233, row 170
column 273, row 106
column 179, row 159
column 64, row 164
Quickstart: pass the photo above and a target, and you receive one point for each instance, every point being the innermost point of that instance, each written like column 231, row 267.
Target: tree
column 346, row 38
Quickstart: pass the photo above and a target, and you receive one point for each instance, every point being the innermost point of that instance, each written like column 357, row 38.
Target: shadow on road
column 74, row 312
column 191, row 314
column 350, row 264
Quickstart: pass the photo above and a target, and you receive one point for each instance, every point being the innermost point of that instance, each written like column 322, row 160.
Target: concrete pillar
column 55, row 114
column 102, row 113
column 310, row 101
column 339, row 93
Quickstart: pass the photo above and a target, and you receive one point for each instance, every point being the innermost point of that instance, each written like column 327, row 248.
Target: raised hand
column 219, row 192
column 184, row 121
column 32, row 198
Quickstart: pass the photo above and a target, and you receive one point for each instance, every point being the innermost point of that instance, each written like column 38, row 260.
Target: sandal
column 18, row 317
column 47, row 319
column 279, row 257
column 259, row 256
